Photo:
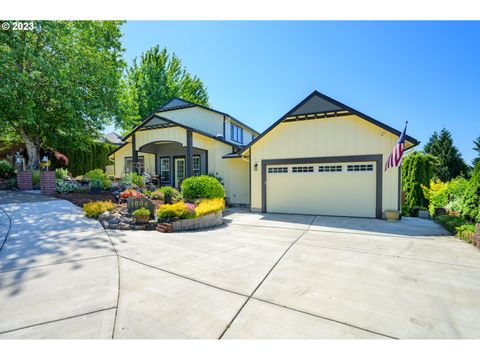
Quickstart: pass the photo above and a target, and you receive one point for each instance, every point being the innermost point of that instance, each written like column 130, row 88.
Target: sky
column 426, row 73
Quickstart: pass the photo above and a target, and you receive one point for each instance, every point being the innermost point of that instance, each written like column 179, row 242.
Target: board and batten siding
column 340, row 136
column 196, row 118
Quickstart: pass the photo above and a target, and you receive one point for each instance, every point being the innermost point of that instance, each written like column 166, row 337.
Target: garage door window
column 363, row 167
column 330, row 168
column 276, row 170
column 302, row 169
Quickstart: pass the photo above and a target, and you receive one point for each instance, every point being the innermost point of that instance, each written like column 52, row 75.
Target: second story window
column 236, row 133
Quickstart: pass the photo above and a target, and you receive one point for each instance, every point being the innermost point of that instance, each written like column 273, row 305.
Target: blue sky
column 425, row 72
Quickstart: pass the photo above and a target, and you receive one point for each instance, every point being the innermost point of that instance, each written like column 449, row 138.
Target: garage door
column 341, row 189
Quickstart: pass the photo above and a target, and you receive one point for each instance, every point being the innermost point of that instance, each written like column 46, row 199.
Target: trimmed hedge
column 91, row 156
column 202, row 187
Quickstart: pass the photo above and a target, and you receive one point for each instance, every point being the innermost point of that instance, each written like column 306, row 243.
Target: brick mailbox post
column 24, row 180
column 48, row 183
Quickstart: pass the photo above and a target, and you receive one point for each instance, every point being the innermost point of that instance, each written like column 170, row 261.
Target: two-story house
column 182, row 139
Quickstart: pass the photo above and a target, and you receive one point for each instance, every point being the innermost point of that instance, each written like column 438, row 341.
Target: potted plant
column 142, row 215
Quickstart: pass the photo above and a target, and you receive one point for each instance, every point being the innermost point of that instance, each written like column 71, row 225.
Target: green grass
column 457, row 225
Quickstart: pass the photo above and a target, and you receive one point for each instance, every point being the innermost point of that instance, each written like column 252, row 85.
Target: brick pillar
column 48, row 184
column 24, row 180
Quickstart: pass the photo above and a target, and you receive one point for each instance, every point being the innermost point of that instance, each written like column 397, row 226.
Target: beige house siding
column 126, row 151
column 340, row 136
column 196, row 118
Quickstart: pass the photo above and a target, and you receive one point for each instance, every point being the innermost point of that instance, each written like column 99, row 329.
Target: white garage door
column 342, row 189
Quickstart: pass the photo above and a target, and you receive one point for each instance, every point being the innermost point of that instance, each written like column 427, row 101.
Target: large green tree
column 59, row 83
column 417, row 170
column 476, row 142
column 450, row 161
column 152, row 80
column 471, row 199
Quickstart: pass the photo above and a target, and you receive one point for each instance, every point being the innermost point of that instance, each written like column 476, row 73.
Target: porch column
column 189, row 158
column 134, row 153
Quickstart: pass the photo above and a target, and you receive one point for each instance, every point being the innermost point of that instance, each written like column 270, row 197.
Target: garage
column 322, row 188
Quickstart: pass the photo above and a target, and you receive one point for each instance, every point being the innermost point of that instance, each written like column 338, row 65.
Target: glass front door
column 179, row 171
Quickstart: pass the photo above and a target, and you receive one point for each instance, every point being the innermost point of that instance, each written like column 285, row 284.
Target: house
column 322, row 157
column 113, row 138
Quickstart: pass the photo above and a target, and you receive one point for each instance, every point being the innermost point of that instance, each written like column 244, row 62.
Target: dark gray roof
column 113, row 137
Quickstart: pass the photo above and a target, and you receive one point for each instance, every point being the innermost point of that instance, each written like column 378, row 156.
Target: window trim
column 141, row 157
column 236, row 133
column 169, row 169
column 199, row 165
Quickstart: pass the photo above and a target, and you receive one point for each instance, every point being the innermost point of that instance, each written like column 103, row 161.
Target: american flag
column 395, row 158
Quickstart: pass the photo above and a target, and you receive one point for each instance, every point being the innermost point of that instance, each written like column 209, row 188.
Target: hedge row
column 91, row 156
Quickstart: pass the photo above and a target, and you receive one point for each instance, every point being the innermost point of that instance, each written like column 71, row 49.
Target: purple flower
column 190, row 206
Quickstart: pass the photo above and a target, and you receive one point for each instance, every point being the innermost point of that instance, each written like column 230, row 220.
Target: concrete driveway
column 260, row 276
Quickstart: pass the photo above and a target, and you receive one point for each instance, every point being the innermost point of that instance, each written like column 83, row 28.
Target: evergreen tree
column 450, row 161
column 417, row 170
column 471, row 199
column 477, row 149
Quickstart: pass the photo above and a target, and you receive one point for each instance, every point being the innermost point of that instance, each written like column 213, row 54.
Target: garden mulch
column 81, row 198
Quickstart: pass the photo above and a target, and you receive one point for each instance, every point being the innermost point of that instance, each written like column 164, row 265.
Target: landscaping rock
column 106, row 216
column 105, row 224
column 124, row 226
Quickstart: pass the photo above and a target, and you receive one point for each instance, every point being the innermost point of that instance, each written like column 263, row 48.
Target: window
column 130, row 166
column 330, row 168
column 236, row 133
column 196, row 165
column 361, row 167
column 302, row 169
column 276, row 170
column 165, row 169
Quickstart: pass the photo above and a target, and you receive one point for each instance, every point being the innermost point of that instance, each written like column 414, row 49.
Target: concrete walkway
column 260, row 276
column 58, row 271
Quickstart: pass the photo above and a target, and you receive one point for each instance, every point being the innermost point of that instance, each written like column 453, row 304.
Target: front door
column 179, row 171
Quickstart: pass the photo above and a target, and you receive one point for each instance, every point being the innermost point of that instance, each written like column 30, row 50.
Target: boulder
column 106, row 216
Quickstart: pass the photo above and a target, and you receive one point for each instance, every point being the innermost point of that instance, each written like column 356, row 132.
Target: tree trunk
column 33, row 151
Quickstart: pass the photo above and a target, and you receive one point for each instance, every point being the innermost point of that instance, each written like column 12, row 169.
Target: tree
column 477, row 149
column 151, row 81
column 59, row 82
column 417, row 170
column 471, row 199
column 450, row 162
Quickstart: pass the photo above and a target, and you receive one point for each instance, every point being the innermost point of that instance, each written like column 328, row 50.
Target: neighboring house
column 321, row 158
column 113, row 138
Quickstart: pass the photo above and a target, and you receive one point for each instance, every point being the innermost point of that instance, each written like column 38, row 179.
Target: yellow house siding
column 341, row 136
column 176, row 134
column 119, row 158
column 233, row 171
column 196, row 118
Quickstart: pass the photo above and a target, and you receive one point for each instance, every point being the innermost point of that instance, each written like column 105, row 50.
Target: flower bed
column 203, row 222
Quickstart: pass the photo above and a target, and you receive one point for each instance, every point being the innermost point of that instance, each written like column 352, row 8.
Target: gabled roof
column 318, row 104
column 178, row 103
column 113, row 137
column 154, row 121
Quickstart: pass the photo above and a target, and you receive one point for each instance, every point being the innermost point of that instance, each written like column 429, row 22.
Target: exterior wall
column 197, row 118
column 233, row 171
column 126, row 151
column 247, row 134
column 341, row 136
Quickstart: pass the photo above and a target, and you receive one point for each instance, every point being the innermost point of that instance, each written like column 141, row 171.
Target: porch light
column 255, row 167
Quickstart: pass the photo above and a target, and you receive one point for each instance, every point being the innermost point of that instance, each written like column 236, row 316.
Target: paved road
column 260, row 276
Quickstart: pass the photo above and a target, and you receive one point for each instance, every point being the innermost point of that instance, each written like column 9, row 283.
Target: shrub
column 436, row 194
column 132, row 179
column 179, row 210
column 202, row 187
column 209, row 206
column 6, row 170
column 457, row 225
column 417, row 170
column 36, row 178
column 465, row 232
column 98, row 176
column 64, row 187
column 61, row 173
column 471, row 200
column 93, row 209
column 170, row 191
column 141, row 212
column 157, row 195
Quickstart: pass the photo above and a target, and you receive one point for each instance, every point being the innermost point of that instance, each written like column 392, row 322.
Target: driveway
column 259, row 276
